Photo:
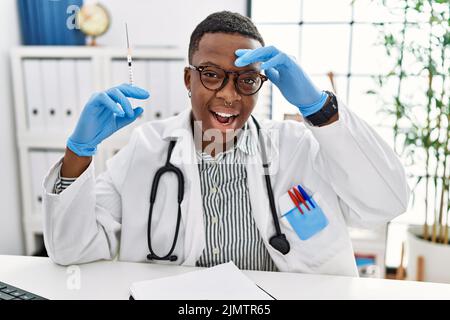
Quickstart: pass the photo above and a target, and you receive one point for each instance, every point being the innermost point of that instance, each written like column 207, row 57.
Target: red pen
column 295, row 200
column 300, row 198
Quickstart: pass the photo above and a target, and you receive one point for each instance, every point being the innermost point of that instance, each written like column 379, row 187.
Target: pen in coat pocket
column 306, row 196
column 300, row 198
column 295, row 201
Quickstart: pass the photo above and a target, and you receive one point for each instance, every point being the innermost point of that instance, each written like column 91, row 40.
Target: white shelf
column 80, row 52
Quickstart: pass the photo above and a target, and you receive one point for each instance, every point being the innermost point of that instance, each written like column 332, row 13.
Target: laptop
column 9, row 292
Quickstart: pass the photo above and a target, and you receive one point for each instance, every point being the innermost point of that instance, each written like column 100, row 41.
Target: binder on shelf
column 69, row 96
column 178, row 96
column 39, row 168
column 85, row 83
column 52, row 100
column 34, row 94
column 158, row 86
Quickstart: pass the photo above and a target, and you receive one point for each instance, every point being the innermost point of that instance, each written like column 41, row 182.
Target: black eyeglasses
column 214, row 78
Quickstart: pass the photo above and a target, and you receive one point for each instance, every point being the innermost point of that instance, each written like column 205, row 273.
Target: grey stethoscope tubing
column 278, row 241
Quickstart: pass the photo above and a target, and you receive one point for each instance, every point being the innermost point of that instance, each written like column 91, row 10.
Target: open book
column 222, row 282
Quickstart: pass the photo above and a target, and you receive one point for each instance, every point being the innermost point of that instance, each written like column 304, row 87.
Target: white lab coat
column 352, row 173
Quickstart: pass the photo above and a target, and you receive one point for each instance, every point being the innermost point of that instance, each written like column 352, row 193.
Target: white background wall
column 10, row 222
column 150, row 22
column 161, row 23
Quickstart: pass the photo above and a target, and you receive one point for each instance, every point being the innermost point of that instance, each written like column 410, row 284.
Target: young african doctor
column 225, row 211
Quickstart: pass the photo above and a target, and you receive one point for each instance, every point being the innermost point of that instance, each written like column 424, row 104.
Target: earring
column 189, row 93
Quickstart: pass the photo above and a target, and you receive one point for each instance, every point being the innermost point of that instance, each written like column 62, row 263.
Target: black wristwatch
column 329, row 109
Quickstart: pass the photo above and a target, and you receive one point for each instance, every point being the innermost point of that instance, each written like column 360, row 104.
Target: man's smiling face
column 226, row 109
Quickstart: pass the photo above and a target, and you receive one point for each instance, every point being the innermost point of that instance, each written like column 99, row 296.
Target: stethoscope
column 278, row 241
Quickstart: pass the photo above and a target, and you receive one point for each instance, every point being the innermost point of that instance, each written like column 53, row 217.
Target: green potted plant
column 421, row 128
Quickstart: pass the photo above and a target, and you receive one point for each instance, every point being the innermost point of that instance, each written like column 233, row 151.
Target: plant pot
column 436, row 257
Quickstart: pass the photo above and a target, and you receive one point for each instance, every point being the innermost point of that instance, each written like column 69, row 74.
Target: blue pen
column 305, row 195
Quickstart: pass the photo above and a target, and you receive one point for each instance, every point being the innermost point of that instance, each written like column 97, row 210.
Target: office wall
column 151, row 23
column 10, row 223
column 161, row 23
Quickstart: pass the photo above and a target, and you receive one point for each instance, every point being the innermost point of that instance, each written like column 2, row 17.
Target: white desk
column 112, row 280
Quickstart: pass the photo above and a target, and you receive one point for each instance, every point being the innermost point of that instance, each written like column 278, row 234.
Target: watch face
column 93, row 19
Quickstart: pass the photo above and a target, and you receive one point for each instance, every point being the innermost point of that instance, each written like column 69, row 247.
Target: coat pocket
column 313, row 239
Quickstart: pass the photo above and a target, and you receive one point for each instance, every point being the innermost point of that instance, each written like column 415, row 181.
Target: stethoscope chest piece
column 280, row 243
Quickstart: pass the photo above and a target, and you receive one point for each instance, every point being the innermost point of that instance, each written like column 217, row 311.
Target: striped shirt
column 62, row 183
column 230, row 230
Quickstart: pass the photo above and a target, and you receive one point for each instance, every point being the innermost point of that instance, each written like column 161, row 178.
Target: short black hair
column 223, row 22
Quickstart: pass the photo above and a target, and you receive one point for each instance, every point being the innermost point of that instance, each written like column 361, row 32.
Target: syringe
column 129, row 59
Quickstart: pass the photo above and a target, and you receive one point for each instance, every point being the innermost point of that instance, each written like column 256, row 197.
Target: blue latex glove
column 101, row 117
column 287, row 75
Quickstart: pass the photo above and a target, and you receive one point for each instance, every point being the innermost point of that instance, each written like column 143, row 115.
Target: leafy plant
column 421, row 129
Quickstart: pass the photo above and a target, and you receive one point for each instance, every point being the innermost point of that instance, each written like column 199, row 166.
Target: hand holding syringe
column 105, row 113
